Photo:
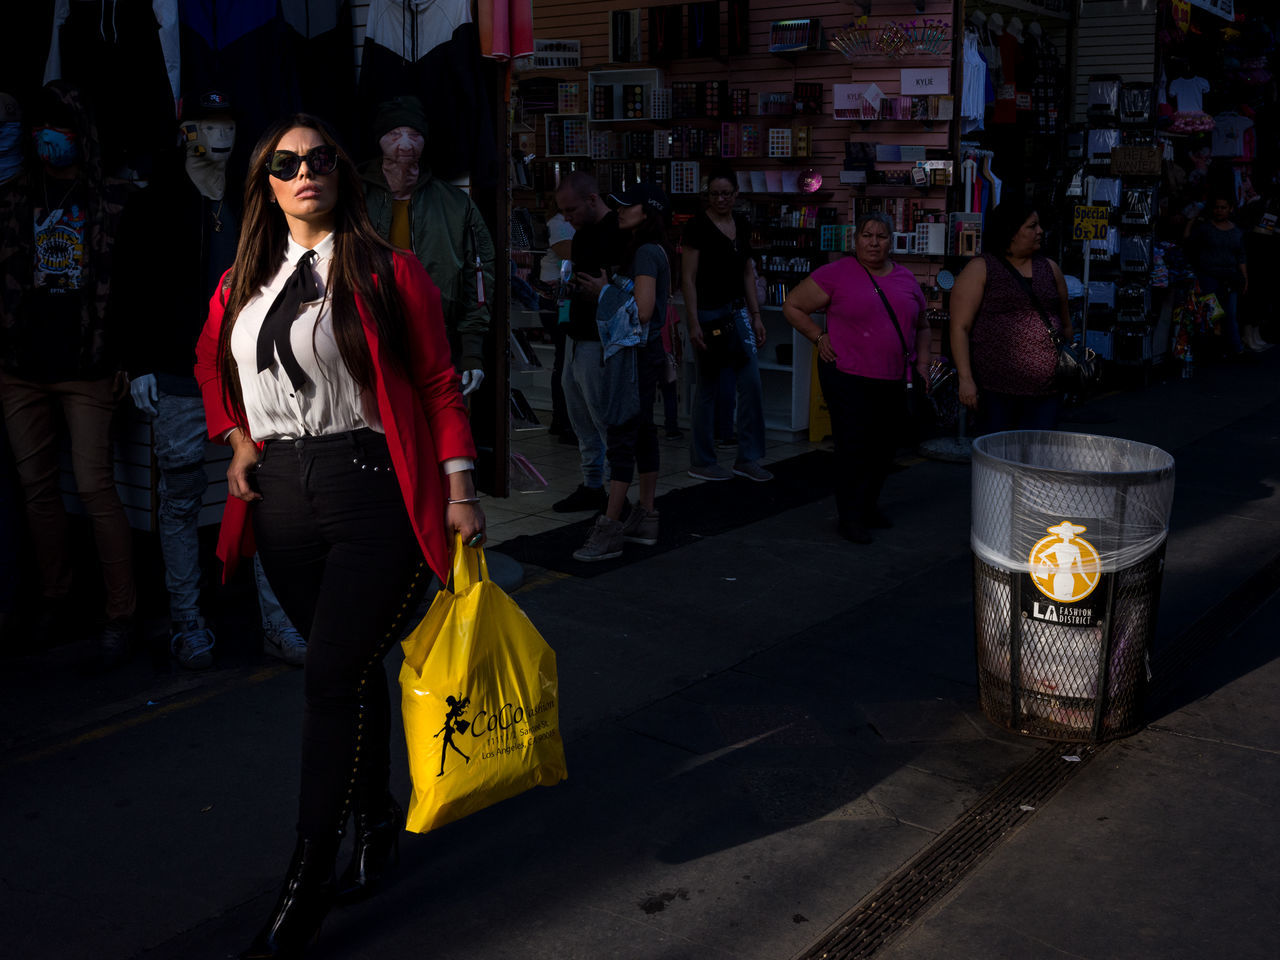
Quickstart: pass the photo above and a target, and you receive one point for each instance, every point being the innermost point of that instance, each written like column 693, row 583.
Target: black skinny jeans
column 339, row 550
column 633, row 447
column 867, row 419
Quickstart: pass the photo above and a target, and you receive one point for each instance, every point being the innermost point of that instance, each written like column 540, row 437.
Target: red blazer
column 424, row 417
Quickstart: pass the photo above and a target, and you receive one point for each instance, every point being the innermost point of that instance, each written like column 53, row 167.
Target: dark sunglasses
column 284, row 164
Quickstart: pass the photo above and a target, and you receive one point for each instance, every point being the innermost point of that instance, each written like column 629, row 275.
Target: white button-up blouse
column 330, row 401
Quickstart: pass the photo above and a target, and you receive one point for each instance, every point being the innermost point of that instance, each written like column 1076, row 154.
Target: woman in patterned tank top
column 1004, row 354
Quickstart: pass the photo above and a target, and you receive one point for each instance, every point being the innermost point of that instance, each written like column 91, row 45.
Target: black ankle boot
column 304, row 900
column 377, row 842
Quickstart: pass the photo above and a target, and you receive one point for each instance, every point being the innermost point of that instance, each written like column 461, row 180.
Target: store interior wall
column 587, row 21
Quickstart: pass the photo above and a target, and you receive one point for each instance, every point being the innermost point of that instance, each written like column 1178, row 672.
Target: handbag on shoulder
column 723, row 343
column 913, row 406
column 1078, row 366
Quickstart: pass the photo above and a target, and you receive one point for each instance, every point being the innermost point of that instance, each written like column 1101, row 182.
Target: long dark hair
column 1004, row 222
column 362, row 266
column 653, row 229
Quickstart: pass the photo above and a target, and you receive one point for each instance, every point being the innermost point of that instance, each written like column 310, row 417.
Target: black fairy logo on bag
column 453, row 721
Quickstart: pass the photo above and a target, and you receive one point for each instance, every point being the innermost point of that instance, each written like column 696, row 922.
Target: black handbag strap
column 1029, row 290
column 906, row 353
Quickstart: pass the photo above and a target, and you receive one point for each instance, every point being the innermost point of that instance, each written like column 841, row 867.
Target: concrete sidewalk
column 761, row 728
column 1164, row 847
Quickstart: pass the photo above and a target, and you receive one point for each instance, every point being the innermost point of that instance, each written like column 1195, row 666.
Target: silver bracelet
column 464, row 500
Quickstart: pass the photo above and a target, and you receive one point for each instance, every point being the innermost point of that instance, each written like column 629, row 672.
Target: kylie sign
column 925, row 82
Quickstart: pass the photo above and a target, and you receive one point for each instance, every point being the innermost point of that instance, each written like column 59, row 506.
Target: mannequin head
column 56, row 134
column 401, row 127
column 402, row 143
column 208, row 137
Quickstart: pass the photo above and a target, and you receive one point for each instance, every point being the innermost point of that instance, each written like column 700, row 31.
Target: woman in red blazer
column 325, row 365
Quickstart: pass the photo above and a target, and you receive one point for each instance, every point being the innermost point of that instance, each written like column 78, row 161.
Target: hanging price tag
column 1090, row 223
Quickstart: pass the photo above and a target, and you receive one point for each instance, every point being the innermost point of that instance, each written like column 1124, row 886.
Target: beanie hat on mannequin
column 404, row 111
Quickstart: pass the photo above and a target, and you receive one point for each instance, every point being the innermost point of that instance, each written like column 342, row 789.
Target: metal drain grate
column 904, row 896
column 896, row 903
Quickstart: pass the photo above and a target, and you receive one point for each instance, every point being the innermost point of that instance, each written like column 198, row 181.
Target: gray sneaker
column 286, row 645
column 641, row 526
column 712, row 471
column 604, row 542
column 191, row 644
column 752, row 471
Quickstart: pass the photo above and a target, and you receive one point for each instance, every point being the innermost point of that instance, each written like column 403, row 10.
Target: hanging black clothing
column 24, row 46
column 434, row 54
column 169, row 258
column 111, row 51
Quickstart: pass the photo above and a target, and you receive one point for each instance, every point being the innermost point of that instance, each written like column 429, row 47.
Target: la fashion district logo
column 1065, row 572
column 492, row 733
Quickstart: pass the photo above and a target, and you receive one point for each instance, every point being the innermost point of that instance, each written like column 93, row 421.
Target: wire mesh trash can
column 1068, row 538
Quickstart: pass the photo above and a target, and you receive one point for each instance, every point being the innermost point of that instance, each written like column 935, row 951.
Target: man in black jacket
column 596, row 246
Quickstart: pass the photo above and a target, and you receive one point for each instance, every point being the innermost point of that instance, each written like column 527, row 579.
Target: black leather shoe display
column 377, row 844
column 304, row 900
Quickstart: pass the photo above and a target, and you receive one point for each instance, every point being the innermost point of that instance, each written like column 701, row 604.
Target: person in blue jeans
column 723, row 318
column 595, row 246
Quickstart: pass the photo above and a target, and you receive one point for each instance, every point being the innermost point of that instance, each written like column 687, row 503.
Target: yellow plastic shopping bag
column 480, row 700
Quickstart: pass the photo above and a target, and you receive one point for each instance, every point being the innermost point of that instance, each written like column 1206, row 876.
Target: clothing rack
column 981, row 186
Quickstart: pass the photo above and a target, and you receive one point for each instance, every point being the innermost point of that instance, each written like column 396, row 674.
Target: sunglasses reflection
column 321, row 161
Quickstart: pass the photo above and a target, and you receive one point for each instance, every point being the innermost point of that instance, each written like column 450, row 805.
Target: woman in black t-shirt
column 723, row 316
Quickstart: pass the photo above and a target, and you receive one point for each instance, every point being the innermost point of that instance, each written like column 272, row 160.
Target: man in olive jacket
column 439, row 223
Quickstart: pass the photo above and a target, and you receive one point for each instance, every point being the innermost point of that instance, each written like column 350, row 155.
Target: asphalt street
column 761, row 728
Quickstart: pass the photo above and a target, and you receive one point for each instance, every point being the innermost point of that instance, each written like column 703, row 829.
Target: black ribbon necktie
column 273, row 338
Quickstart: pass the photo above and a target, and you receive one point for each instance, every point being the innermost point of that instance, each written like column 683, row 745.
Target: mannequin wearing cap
column 439, row 223
column 188, row 204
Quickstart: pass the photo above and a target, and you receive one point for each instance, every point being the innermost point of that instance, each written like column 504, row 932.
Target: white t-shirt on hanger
column 1189, row 92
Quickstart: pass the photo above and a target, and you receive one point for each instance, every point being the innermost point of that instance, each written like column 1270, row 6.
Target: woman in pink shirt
column 876, row 336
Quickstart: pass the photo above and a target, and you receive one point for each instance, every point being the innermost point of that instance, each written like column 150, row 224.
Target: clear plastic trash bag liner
column 1025, row 481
